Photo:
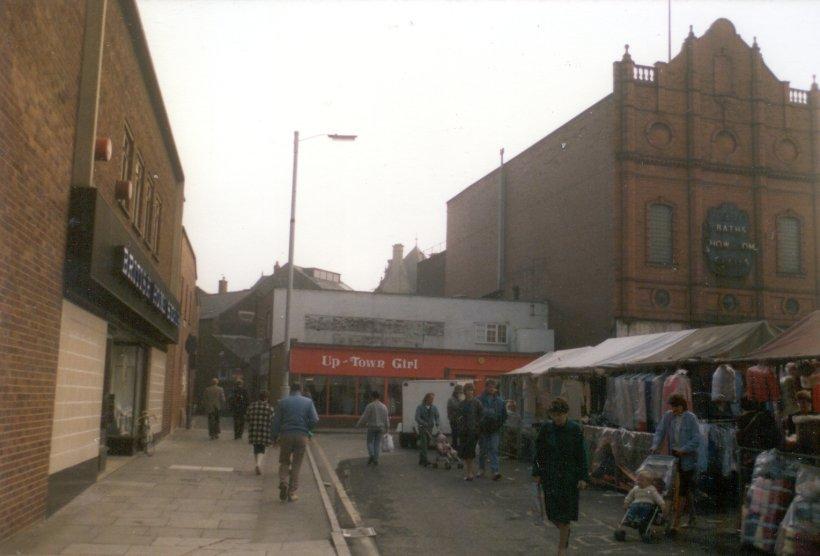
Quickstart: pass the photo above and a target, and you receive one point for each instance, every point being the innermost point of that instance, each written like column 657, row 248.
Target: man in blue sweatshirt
column 293, row 422
column 493, row 418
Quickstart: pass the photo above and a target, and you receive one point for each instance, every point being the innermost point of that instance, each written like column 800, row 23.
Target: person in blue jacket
column 492, row 420
column 680, row 429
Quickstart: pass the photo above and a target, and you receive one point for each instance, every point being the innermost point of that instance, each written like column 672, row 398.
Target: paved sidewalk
column 210, row 503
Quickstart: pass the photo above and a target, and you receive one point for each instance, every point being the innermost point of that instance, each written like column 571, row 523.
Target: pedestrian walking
column 469, row 419
column 259, row 417
column 239, row 405
column 293, row 423
column 560, row 467
column 453, row 404
column 492, row 420
column 427, row 419
column 377, row 421
column 213, row 399
column 681, row 430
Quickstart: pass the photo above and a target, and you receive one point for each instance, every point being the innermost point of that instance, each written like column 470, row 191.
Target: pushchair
column 446, row 455
column 664, row 473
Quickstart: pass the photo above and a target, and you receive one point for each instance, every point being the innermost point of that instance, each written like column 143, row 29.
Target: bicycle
column 146, row 434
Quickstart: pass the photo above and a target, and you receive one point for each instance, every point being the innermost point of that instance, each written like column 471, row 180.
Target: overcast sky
column 433, row 90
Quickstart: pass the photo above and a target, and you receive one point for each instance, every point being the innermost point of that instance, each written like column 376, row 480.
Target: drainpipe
column 502, row 226
column 82, row 171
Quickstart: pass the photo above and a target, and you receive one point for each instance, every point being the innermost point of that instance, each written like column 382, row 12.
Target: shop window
column 342, row 395
column 315, row 387
column 659, row 234
column 491, row 333
column 246, row 316
column 393, row 402
column 366, row 386
column 124, row 396
column 788, row 245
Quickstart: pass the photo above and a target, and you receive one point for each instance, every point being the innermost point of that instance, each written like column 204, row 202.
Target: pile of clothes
column 767, row 500
column 799, row 533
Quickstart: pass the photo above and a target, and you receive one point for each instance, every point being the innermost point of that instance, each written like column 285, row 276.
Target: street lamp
column 296, row 141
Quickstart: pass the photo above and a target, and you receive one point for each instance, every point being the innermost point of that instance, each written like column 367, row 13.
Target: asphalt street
column 434, row 511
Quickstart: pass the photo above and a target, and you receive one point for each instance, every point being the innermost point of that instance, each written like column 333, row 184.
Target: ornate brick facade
column 730, row 154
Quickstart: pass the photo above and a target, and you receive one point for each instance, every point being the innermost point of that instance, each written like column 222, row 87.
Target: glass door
column 124, row 396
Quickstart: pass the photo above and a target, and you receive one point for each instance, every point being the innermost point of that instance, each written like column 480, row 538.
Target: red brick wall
column 559, row 225
column 40, row 44
column 729, row 90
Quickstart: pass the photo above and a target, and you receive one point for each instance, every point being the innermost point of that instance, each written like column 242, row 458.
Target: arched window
column 788, row 245
column 659, row 234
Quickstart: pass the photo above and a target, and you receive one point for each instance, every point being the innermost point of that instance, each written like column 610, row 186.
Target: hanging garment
column 703, row 447
column 723, row 384
column 657, row 399
column 647, row 385
column 572, row 390
column 761, row 384
column 677, row 383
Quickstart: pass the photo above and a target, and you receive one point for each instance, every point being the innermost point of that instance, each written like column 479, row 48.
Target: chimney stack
column 223, row 285
column 398, row 252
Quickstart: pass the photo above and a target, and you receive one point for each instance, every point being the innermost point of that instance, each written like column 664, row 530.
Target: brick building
column 687, row 196
column 235, row 326
column 91, row 199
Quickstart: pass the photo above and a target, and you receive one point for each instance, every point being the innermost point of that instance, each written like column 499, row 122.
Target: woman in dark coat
column 259, row 416
column 469, row 416
column 560, row 466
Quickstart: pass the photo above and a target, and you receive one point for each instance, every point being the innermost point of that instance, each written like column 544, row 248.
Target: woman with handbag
column 560, row 467
column 377, row 420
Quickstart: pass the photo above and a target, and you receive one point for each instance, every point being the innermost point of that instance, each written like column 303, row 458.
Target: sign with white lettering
column 395, row 363
column 727, row 243
column 140, row 279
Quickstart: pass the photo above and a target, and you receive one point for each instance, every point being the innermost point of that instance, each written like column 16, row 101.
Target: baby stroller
column 446, row 455
column 664, row 473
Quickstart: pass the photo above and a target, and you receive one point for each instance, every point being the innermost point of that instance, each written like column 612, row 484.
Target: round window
column 791, row 306
column 661, row 298
column 729, row 303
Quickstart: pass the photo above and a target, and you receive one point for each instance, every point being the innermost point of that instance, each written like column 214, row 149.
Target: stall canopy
column 802, row 340
column 616, row 352
column 714, row 342
column 548, row 361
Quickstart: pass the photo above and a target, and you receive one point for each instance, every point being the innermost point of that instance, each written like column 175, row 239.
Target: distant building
column 235, row 326
column 688, row 196
column 367, row 334
column 400, row 273
column 430, row 275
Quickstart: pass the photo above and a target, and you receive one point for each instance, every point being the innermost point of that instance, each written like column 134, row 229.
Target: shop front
column 118, row 318
column 340, row 378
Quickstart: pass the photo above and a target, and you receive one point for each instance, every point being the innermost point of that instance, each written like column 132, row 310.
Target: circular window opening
column 729, row 303
column 659, row 135
column 791, row 306
column 725, row 143
column 661, row 298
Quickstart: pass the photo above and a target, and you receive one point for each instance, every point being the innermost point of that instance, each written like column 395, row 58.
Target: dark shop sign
column 150, row 290
column 727, row 243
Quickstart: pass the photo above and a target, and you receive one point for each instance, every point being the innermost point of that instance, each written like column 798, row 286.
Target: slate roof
column 214, row 304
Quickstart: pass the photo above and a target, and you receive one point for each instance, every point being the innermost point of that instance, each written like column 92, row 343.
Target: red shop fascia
column 339, row 378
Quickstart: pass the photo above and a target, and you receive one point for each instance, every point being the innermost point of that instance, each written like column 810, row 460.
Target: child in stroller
column 446, row 454
column 645, row 505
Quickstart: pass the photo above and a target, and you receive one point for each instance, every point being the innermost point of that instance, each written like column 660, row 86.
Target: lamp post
column 289, row 294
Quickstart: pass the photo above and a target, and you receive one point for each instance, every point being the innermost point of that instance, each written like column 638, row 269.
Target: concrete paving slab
column 89, row 549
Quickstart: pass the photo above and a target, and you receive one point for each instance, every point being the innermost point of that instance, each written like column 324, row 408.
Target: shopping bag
column 538, row 506
column 387, row 443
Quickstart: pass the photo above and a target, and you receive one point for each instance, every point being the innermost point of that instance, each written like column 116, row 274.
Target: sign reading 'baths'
column 727, row 241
